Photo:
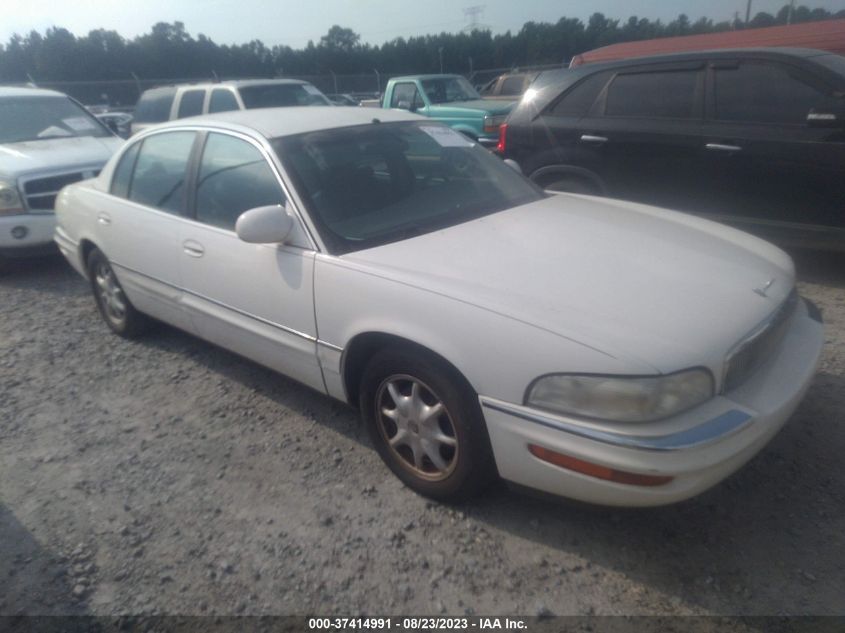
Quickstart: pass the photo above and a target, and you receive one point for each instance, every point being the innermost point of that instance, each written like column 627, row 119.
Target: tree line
column 169, row 51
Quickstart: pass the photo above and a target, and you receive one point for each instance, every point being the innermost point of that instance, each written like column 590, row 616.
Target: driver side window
column 234, row 177
column 406, row 94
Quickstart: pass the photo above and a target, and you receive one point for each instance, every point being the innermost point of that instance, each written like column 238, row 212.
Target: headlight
column 492, row 123
column 10, row 200
column 621, row 398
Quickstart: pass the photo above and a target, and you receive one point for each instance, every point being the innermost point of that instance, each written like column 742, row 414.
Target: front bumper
column 27, row 235
column 698, row 448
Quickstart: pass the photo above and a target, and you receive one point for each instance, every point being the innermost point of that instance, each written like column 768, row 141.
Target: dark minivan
column 751, row 137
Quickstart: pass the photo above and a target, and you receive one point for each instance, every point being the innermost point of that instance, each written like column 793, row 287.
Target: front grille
column 754, row 350
column 40, row 193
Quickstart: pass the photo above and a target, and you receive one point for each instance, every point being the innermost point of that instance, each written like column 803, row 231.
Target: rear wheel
column 426, row 424
column 114, row 306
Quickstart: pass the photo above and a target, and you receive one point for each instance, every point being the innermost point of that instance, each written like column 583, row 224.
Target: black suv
column 753, row 137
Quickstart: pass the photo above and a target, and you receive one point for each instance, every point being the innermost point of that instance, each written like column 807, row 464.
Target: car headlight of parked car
column 10, row 200
column 621, row 398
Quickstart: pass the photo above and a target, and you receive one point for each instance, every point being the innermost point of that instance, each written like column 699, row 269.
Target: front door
column 256, row 299
column 767, row 169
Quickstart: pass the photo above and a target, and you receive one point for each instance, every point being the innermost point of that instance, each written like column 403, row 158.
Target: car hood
column 18, row 159
column 479, row 106
column 659, row 289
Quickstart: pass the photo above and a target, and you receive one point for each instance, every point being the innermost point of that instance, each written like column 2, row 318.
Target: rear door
column 256, row 299
column 139, row 224
column 765, row 166
column 645, row 131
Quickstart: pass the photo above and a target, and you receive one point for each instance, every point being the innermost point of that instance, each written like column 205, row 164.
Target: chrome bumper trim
column 708, row 432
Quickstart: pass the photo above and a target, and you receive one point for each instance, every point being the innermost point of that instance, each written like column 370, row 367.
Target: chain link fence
column 122, row 94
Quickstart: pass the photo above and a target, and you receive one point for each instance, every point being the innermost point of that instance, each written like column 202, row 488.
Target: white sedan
column 596, row 349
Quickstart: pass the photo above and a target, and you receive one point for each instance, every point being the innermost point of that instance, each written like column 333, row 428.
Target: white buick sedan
column 592, row 348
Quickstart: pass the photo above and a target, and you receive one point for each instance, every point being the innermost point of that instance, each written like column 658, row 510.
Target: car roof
column 431, row 76
column 15, row 91
column 234, row 83
column 781, row 52
column 274, row 122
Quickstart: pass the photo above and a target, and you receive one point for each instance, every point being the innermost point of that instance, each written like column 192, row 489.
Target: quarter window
column 123, row 172
column 222, row 100
column 159, row 177
column 765, row 93
column 667, row 94
column 234, row 177
column 191, row 103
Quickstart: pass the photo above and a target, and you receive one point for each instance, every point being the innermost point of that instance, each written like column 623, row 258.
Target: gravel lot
column 167, row 476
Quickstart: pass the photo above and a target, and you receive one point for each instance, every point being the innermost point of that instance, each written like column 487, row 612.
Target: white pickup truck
column 47, row 140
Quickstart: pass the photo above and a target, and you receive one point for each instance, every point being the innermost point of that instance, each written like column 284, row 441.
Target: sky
column 294, row 22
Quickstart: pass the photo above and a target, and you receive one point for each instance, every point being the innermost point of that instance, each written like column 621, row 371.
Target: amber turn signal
column 594, row 470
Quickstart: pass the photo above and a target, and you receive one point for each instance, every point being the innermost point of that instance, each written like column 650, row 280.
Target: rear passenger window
column 222, row 100
column 123, row 172
column 764, row 93
column 668, row 94
column 154, row 105
column 578, row 100
column 159, row 177
column 191, row 103
column 234, row 177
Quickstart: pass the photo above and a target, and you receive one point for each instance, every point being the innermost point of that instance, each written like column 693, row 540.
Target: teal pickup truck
column 452, row 100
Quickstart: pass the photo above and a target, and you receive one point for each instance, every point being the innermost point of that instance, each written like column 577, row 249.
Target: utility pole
column 748, row 13
column 789, row 14
column 440, row 50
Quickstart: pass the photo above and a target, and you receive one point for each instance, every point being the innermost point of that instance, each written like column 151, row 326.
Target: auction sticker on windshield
column 446, row 137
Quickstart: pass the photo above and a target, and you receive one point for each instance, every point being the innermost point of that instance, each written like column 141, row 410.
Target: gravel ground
column 167, row 476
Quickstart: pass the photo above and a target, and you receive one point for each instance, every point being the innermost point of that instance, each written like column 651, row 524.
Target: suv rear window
column 666, row 94
column 154, row 105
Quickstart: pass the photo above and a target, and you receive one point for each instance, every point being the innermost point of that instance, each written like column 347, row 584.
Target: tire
column 114, row 306
column 568, row 183
column 445, row 456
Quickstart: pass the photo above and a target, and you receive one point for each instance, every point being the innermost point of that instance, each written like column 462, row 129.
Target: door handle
column 589, row 138
column 192, row 248
column 719, row 147
column 104, row 219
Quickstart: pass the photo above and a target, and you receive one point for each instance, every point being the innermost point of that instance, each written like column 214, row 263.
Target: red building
column 828, row 35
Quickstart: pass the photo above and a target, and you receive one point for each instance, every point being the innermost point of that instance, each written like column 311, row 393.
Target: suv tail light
column 503, row 137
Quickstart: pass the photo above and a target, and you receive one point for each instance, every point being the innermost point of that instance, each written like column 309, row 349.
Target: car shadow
column 740, row 548
column 33, row 580
column 767, row 541
column 820, row 267
column 50, row 274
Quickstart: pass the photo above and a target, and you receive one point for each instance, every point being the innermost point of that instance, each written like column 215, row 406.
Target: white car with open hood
column 596, row 349
column 47, row 141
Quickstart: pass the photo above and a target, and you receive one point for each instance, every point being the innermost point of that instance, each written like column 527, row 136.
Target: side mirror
column 513, row 165
column 830, row 117
column 264, row 225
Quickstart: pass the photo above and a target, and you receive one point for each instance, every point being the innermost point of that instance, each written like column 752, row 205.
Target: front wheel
column 114, row 306
column 426, row 424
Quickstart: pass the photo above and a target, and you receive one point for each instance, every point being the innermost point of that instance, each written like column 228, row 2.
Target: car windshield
column 282, row 95
column 41, row 118
column 448, row 89
column 383, row 182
